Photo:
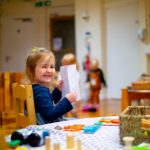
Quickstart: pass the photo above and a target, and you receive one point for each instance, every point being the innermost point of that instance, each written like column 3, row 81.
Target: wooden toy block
column 56, row 146
column 47, row 143
column 79, row 144
column 70, row 141
column 128, row 141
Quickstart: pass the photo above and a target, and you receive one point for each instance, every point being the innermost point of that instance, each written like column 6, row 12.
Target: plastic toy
column 21, row 148
column 91, row 129
column 75, row 127
column 98, row 123
column 116, row 121
column 14, row 143
column 107, row 121
column 140, row 148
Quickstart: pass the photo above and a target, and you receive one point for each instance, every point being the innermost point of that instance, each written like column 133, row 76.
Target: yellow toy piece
column 21, row 148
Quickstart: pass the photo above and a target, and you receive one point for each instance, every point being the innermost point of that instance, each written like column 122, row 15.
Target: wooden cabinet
column 128, row 95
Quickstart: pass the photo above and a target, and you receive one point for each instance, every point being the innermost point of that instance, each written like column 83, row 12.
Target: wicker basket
column 130, row 123
column 141, row 85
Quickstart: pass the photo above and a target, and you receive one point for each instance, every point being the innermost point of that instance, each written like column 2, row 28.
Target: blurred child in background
column 96, row 80
column 70, row 59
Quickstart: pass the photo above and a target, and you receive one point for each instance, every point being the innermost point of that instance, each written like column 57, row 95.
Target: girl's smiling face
column 44, row 71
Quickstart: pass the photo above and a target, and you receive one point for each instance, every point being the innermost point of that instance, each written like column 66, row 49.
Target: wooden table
column 128, row 95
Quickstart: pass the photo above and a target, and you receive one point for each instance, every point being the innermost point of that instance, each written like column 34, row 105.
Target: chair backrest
column 3, row 144
column 24, row 105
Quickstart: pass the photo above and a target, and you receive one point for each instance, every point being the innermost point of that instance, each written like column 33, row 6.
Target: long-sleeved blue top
column 49, row 106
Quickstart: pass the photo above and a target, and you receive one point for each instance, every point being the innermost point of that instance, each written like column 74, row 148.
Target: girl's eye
column 44, row 66
column 52, row 66
column 48, row 66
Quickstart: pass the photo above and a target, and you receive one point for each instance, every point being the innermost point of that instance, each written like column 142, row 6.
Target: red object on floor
column 90, row 108
column 87, row 108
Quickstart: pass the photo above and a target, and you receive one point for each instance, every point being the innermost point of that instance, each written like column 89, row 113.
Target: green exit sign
column 43, row 3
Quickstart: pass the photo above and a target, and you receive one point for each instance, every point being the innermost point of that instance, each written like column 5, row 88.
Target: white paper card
column 70, row 76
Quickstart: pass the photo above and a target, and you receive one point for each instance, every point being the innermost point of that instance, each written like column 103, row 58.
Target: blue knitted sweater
column 49, row 106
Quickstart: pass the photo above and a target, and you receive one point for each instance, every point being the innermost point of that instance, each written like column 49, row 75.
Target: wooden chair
column 24, row 105
column 3, row 145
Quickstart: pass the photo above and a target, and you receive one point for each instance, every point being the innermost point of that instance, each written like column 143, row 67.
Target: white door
column 123, row 47
column 16, row 42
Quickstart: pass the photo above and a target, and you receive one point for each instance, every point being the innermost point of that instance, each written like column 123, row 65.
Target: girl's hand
column 60, row 85
column 72, row 97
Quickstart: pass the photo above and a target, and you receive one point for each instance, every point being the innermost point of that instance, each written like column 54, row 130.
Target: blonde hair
column 94, row 63
column 31, row 61
column 69, row 59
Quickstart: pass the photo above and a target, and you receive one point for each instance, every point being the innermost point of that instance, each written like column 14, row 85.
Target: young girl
column 40, row 69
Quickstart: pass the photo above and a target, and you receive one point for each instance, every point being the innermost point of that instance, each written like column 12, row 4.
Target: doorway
column 62, row 37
